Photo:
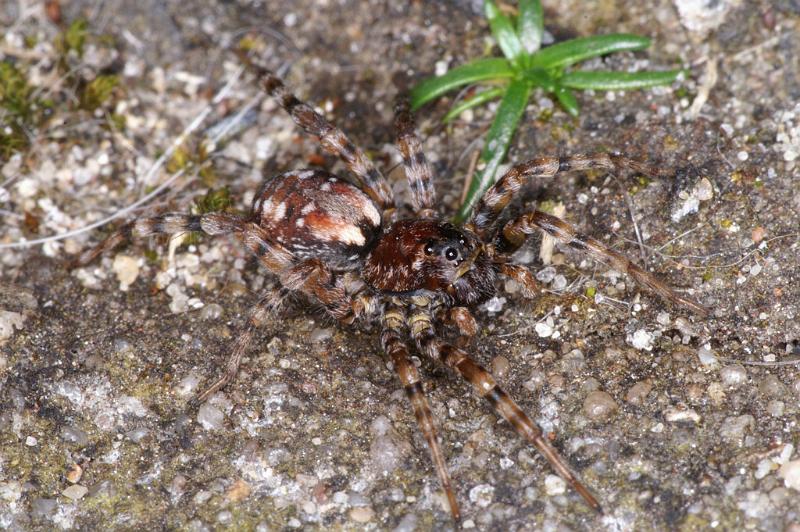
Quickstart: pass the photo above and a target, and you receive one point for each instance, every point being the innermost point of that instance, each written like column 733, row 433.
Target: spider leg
column 500, row 195
column 266, row 307
column 311, row 276
column 418, row 171
column 332, row 139
column 463, row 320
column 516, row 230
column 215, row 223
column 395, row 347
column 521, row 275
column 423, row 333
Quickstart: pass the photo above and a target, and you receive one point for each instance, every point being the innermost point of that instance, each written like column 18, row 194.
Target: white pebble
column 707, row 356
column 554, row 485
column 543, row 329
column 790, row 473
column 641, row 339
column 733, row 375
column 75, row 492
column 545, row 275
column 30, row 441
column 210, row 417
column 482, row 495
column 559, row 282
column 8, row 322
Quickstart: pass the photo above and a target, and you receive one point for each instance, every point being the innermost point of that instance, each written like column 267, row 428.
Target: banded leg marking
column 332, row 139
column 500, row 195
column 486, row 387
column 516, row 231
column 215, row 223
column 267, row 306
column 418, row 171
column 394, row 346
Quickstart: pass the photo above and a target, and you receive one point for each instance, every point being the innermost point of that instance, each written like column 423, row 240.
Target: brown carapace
column 345, row 247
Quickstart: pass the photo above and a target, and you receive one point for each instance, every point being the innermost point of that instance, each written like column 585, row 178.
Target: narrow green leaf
column 492, row 68
column 570, row 52
column 604, row 80
column 504, row 33
column 530, row 25
column 567, row 100
column 540, row 77
column 498, row 140
column 476, row 100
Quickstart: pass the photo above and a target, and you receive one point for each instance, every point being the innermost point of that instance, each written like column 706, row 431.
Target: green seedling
column 527, row 66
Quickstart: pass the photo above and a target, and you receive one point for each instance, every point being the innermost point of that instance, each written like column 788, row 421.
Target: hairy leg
column 517, row 230
column 428, row 342
column 332, row 139
column 498, row 197
column 215, row 223
column 266, row 307
column 418, row 171
column 523, row 276
column 395, row 347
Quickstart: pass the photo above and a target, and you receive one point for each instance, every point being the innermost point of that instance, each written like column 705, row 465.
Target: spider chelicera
column 345, row 246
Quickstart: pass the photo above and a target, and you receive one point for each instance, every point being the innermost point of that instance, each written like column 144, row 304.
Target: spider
column 344, row 246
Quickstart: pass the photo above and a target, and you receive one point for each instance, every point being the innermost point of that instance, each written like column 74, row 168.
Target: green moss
column 73, row 38
column 20, row 111
column 98, row 91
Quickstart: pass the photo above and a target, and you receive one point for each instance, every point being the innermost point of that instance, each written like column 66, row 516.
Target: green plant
column 20, row 111
column 527, row 66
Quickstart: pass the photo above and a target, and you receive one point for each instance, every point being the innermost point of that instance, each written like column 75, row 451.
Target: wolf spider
column 344, row 246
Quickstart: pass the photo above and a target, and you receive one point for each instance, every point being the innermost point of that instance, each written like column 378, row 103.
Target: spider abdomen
column 314, row 214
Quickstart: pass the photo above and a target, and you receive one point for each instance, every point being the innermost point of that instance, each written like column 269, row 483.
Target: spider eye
column 450, row 254
column 429, row 249
column 462, row 241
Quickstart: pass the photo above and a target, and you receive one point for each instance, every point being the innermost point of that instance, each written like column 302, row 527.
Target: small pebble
column 482, row 495
column 771, row 386
column 676, row 415
column 536, row 381
column 30, row 441
column 790, row 473
column 599, row 406
column 8, row 321
column 75, row 492
column 545, row 275
column 638, row 392
column 559, row 282
column 554, row 485
column 74, row 435
column 543, row 329
column 573, row 362
column 211, row 312
column 641, row 340
column 210, row 417
column 776, row 408
column 707, row 356
column 734, row 427
column 362, row 514
column 127, row 270
column 733, row 375
column 500, row 366
column 74, row 473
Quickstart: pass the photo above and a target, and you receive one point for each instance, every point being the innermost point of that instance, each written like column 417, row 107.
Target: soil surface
column 674, row 421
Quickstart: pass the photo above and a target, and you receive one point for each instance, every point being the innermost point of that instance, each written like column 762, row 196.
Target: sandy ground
column 674, row 422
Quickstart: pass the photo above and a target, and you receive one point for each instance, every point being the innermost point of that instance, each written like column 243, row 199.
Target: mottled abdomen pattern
column 314, row 214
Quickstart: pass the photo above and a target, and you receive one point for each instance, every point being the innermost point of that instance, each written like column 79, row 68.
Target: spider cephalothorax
column 337, row 243
column 419, row 257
